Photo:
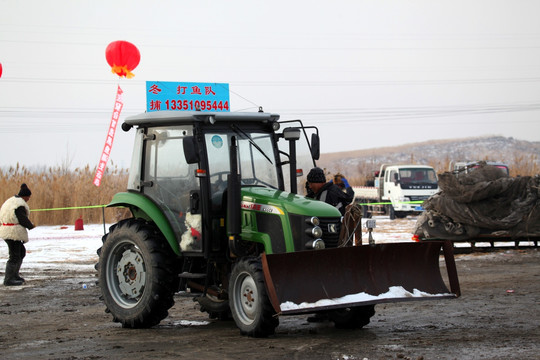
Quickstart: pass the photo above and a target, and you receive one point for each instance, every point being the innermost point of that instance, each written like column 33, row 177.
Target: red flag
column 105, row 154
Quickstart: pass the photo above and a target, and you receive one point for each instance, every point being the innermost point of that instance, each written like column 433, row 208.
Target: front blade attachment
column 318, row 280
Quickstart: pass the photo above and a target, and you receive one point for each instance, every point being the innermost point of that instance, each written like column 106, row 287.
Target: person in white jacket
column 14, row 223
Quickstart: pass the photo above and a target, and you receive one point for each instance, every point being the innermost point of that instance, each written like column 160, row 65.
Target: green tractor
column 211, row 216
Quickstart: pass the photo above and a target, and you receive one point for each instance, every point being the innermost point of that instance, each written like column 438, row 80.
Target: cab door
column 170, row 182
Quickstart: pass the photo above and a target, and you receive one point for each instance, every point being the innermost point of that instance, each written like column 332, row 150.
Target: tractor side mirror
column 315, row 146
column 191, row 151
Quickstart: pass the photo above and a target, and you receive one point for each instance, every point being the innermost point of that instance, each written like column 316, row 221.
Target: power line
column 310, row 83
column 364, row 111
column 34, row 121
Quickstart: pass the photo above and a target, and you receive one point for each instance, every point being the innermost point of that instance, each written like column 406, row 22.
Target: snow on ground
column 59, row 247
column 394, row 292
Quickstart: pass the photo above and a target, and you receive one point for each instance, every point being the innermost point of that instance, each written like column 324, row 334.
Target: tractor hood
column 286, row 222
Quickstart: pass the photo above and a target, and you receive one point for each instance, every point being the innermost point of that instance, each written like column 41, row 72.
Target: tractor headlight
column 313, row 221
column 316, row 244
column 315, row 231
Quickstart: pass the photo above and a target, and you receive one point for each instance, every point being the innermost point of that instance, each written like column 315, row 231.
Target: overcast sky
column 367, row 73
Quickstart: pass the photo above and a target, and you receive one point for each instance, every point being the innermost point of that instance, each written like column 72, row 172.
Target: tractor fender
column 142, row 207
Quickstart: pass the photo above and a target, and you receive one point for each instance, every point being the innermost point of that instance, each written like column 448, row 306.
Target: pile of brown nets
column 484, row 201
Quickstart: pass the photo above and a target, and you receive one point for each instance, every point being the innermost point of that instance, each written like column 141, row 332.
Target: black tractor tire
column 250, row 306
column 137, row 274
column 216, row 308
column 352, row 318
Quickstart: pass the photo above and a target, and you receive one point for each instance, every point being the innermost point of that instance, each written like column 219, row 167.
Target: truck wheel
column 137, row 275
column 250, row 306
column 352, row 318
column 401, row 214
column 391, row 212
column 366, row 214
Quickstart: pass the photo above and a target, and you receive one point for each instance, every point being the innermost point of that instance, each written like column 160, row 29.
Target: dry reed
column 57, row 187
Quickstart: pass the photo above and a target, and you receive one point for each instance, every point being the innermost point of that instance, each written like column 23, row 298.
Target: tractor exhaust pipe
column 233, row 197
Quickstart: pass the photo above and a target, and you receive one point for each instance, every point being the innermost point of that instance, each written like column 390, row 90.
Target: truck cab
column 407, row 186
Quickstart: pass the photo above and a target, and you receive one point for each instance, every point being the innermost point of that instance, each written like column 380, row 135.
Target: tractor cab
column 182, row 161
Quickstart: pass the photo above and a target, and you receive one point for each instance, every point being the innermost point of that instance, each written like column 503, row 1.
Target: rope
column 389, row 203
column 353, row 213
column 71, row 208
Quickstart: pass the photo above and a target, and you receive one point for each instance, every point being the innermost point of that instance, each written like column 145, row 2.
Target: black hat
column 25, row 191
column 316, row 175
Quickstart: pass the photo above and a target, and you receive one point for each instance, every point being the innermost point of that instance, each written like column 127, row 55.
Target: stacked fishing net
column 484, row 201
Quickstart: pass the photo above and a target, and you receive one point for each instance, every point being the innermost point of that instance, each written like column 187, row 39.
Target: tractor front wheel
column 250, row 306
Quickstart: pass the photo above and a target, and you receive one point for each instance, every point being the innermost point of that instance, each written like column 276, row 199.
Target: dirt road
column 55, row 317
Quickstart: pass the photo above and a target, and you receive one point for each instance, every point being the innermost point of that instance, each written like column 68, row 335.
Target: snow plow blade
column 320, row 280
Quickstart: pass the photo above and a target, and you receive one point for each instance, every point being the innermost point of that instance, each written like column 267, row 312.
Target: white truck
column 397, row 190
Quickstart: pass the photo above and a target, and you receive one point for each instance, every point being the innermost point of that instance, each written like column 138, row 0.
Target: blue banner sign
column 187, row 96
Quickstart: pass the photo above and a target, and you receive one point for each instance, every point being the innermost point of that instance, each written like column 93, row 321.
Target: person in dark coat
column 14, row 223
column 329, row 192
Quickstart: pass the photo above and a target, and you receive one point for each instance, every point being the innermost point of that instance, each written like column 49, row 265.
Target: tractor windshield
column 256, row 158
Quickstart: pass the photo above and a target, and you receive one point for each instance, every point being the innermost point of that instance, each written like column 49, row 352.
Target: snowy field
column 58, row 247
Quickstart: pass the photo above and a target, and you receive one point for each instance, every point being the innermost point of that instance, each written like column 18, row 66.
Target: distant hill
column 521, row 156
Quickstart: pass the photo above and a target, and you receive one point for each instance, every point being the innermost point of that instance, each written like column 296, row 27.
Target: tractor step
column 188, row 275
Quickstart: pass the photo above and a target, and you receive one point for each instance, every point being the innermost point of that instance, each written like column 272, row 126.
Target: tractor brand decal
column 332, row 228
column 261, row 207
column 217, row 141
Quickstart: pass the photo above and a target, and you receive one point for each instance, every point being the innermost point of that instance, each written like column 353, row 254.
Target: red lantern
column 0, row 70
column 123, row 57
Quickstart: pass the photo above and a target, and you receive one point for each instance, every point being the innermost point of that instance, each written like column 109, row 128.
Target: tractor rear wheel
column 137, row 275
column 250, row 306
